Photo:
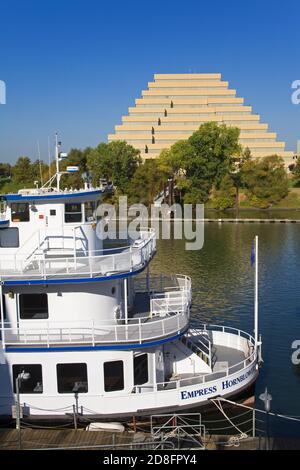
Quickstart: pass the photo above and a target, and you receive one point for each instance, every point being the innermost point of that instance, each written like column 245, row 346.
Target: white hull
column 82, row 333
column 184, row 388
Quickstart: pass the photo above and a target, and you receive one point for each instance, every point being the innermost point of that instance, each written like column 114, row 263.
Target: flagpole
column 256, row 294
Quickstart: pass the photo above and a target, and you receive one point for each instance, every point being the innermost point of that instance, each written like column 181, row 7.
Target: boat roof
column 43, row 195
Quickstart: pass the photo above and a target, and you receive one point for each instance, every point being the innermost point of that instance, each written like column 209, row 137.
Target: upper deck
column 56, row 265
column 53, row 236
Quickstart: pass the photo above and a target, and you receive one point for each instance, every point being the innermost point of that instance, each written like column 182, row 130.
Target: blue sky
column 75, row 66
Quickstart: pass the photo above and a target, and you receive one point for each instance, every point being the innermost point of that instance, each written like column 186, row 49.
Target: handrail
column 47, row 231
column 207, row 377
column 57, row 333
column 85, row 264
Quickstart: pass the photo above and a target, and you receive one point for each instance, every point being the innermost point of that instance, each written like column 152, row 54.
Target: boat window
column 140, row 364
column 33, row 380
column 20, row 212
column 73, row 213
column 72, row 378
column 33, row 306
column 4, row 309
column 113, row 376
column 89, row 211
column 9, row 238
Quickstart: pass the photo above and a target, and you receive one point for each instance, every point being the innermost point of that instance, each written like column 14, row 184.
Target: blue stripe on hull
column 49, row 197
column 112, row 347
column 82, row 280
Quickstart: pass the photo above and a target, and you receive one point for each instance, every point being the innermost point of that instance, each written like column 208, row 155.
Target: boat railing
column 136, row 330
column 161, row 283
column 206, row 378
column 87, row 264
column 167, row 302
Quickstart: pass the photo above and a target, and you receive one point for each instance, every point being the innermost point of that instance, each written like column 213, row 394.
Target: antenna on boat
column 40, row 163
column 58, row 157
column 57, row 147
column 49, row 157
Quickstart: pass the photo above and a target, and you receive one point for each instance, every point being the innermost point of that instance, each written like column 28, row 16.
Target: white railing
column 88, row 264
column 202, row 347
column 137, row 330
column 168, row 302
column 172, row 299
column 211, row 376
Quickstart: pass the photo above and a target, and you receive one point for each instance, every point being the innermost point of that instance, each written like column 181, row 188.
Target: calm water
column 223, row 293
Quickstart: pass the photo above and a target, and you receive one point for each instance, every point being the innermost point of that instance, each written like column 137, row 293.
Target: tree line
column 209, row 167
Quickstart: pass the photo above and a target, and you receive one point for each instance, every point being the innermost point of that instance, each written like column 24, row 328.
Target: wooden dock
column 252, row 221
column 71, row 439
column 54, row 439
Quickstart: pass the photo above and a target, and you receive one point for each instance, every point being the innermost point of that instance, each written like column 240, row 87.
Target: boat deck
column 225, row 358
column 71, row 262
column 153, row 316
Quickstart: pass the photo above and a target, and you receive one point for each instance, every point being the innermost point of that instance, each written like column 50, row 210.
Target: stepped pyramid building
column 175, row 105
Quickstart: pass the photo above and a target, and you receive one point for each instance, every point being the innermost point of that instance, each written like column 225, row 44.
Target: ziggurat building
column 175, row 105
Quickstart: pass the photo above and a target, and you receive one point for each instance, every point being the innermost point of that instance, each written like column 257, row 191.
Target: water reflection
column 223, row 292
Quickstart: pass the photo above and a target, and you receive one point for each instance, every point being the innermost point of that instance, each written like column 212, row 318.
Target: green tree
column 172, row 161
column 146, row 183
column 296, row 172
column 216, row 147
column 23, row 173
column 204, row 159
column 5, row 170
column 224, row 196
column 116, row 161
column 265, row 180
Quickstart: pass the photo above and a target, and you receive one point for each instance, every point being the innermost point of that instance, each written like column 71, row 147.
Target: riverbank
column 290, row 202
column 274, row 213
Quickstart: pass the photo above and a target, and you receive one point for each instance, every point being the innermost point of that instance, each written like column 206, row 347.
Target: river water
column 223, row 293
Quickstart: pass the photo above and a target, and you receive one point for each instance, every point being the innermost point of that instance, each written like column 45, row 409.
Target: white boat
column 88, row 329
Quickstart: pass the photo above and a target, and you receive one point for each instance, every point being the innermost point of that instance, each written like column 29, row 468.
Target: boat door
column 54, row 226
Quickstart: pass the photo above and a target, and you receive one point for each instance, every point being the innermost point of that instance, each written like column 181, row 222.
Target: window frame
column 17, row 238
column 92, row 217
column 27, row 212
column 21, row 307
column 4, row 313
column 23, row 383
column 135, row 358
column 108, row 364
column 60, row 365
column 70, row 213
